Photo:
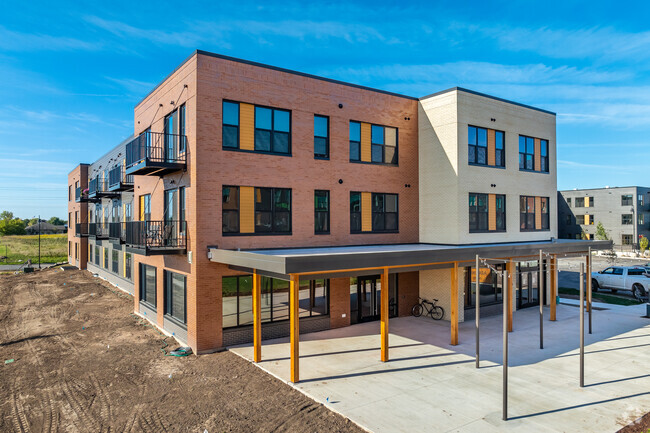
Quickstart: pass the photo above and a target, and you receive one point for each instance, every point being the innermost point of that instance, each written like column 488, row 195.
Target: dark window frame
column 128, row 265
column 627, row 200
column 579, row 202
column 525, row 216
column 229, row 125
column 355, row 213
column 168, row 299
column 272, row 131
column 273, row 212
column 229, row 211
column 472, row 149
column 477, row 226
column 318, row 211
column 627, row 219
column 383, row 145
column 115, row 262
column 354, row 142
column 544, row 159
column 142, row 285
column 383, row 212
column 523, row 156
column 325, row 156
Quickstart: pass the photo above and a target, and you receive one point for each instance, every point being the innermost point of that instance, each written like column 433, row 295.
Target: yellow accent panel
column 538, row 155
column 538, row 213
column 246, row 126
column 246, row 209
column 492, row 211
column 124, row 264
column 141, row 208
column 390, row 136
column 491, row 158
column 365, row 142
column 587, row 201
column 366, row 212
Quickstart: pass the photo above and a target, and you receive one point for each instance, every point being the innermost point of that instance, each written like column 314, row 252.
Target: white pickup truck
column 633, row 278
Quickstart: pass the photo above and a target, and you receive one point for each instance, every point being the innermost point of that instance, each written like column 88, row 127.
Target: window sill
column 322, row 158
column 533, row 171
column 534, row 230
column 384, row 164
column 257, row 234
column 474, row 164
column 487, row 231
column 235, row 149
column 374, row 232
column 321, row 233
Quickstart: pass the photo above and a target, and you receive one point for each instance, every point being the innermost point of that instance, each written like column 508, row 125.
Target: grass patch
column 54, row 249
column 602, row 297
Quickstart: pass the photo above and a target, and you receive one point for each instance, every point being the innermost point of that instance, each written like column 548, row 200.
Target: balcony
column 81, row 230
column 98, row 230
column 156, row 154
column 118, row 180
column 98, row 189
column 117, row 232
column 81, row 195
column 156, row 237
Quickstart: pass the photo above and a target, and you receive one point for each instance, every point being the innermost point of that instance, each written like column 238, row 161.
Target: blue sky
column 71, row 75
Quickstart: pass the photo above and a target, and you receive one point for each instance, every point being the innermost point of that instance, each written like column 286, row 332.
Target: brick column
column 339, row 302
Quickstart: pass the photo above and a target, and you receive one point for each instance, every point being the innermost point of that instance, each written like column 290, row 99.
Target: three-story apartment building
column 254, row 202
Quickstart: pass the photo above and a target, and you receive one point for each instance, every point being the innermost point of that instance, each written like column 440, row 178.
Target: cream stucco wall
column 436, row 284
column 446, row 179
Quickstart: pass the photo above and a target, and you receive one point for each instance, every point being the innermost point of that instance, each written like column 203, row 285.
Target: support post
column 294, row 288
column 588, row 281
column 454, row 304
column 505, row 352
column 257, row 317
column 554, row 288
column 582, row 325
column 384, row 315
column 510, row 267
column 540, row 295
column 478, row 306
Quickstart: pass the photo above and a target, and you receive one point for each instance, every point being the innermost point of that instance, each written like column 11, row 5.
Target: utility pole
column 39, row 241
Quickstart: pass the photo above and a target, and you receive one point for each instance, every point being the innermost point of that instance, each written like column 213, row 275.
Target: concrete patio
column 429, row 385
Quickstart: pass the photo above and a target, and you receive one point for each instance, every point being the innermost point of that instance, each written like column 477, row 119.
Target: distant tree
column 32, row 221
column 601, row 233
column 6, row 215
column 12, row 227
column 56, row 221
column 643, row 244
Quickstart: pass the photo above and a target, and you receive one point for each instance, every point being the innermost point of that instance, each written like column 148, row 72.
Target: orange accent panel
column 246, row 209
column 366, row 212
column 538, row 155
column 492, row 212
column 365, row 142
column 538, row 213
column 491, row 150
column 246, row 126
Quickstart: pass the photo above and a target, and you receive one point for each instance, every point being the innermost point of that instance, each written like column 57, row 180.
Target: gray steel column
column 589, row 298
column 582, row 325
column 478, row 303
column 540, row 295
column 505, row 350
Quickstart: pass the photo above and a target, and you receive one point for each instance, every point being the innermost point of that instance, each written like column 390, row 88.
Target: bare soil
column 642, row 425
column 84, row 363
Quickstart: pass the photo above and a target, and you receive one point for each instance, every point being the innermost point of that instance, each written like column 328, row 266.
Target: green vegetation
column 54, row 249
column 643, row 244
column 601, row 233
column 602, row 297
column 10, row 225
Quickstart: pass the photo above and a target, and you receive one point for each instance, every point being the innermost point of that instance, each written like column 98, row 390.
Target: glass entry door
column 365, row 298
column 528, row 284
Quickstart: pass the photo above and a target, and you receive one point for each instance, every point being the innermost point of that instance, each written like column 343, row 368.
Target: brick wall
column 79, row 174
column 339, row 302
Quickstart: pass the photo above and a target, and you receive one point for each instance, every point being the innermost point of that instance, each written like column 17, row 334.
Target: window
column 478, row 212
column 175, row 296
column 237, row 299
column 145, row 207
column 641, row 202
column 636, row 271
column 477, row 151
column 321, row 212
column 127, row 265
column 76, row 251
column 355, row 212
column 618, row 271
column 527, row 213
column 272, row 130
column 384, row 212
column 355, row 141
column 148, row 284
column 499, row 149
column 128, row 212
column 526, row 153
column 230, row 128
column 626, row 219
column 500, row 202
column 115, row 262
column 272, row 210
column 97, row 255
column 181, row 128
column 69, row 192
column 545, row 213
column 383, row 144
column 609, row 271
column 105, row 258
column 76, row 217
column 69, row 249
column 641, row 219
column 580, row 202
column 321, row 137
column 569, row 220
column 591, row 201
column 585, row 219
column 626, row 240
column 230, row 209
column 543, row 144
column 181, row 203
column 626, row 200
column 568, row 201
column 171, row 205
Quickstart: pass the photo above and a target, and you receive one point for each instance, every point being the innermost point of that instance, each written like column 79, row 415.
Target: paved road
column 6, row 268
column 569, row 269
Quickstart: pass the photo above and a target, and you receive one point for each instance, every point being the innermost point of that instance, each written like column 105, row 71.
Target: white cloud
column 18, row 41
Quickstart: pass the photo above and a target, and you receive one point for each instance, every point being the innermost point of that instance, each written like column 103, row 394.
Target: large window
column 127, row 265
column 115, row 262
column 230, row 127
column 105, row 258
column 97, row 255
column 238, row 300
column 527, row 213
column 626, row 219
column 477, row 145
column 272, row 130
column 321, row 137
column 175, row 296
column 321, row 212
column 627, row 200
column 383, row 148
column 580, row 202
column 384, row 212
column 272, row 210
column 526, row 153
column 500, row 203
column 355, row 212
column 145, row 207
column 148, row 284
column 627, row 239
column 479, row 213
column 355, row 141
column 230, row 209
column 545, row 213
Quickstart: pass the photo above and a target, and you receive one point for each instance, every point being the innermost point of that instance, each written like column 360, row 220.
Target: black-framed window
column 500, row 203
column 181, row 127
column 115, row 262
column 145, row 201
column 237, row 300
column 127, row 265
column 272, row 210
column 626, row 219
column 543, row 155
column 148, row 284
column 230, row 125
column 176, row 296
column 477, row 145
column 76, row 251
column 355, row 212
column 70, row 249
column 181, row 203
column 230, row 209
column 321, row 137
column 499, row 149
column 627, row 200
column 526, row 153
column 105, row 264
column 544, row 201
column 70, row 192
column 384, row 212
column 355, row 141
column 526, row 213
column 568, row 201
column 272, row 130
column 580, row 202
column 321, row 212
column 383, row 144
column 627, row 240
column 478, row 212
column 97, row 255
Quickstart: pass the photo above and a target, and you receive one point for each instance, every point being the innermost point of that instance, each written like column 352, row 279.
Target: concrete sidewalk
column 429, row 385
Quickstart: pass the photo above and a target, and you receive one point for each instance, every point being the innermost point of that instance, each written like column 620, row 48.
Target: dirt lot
column 83, row 363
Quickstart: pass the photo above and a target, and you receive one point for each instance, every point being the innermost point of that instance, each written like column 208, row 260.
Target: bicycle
column 436, row 312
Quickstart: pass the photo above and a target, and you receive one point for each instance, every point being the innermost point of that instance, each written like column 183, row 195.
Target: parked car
column 635, row 279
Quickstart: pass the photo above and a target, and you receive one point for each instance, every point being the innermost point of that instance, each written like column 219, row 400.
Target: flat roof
column 312, row 260
column 599, row 189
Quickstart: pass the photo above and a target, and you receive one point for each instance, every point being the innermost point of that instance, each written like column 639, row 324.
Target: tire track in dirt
column 19, row 419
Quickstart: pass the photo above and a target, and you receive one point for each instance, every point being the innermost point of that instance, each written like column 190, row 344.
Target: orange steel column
column 384, row 315
column 294, row 288
column 454, row 304
column 553, row 287
column 257, row 317
column 511, row 291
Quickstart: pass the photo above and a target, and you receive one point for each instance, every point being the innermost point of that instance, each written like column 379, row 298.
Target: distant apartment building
column 254, row 202
column 623, row 211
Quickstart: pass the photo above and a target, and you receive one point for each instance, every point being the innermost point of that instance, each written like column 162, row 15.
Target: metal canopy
column 314, row 260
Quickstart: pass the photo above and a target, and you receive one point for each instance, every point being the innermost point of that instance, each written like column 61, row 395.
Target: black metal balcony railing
column 93, row 187
column 81, row 194
column 98, row 230
column 117, row 231
column 92, row 229
column 155, row 152
column 118, row 179
column 156, row 235
column 81, row 229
